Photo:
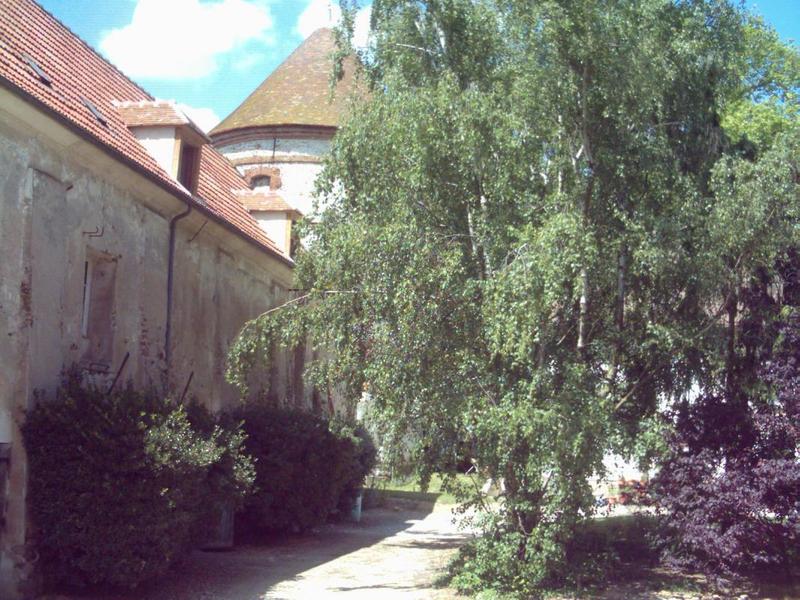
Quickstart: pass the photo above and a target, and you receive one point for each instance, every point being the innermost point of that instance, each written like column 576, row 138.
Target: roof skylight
column 43, row 77
column 95, row 111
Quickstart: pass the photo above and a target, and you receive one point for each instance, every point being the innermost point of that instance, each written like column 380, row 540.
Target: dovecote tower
column 278, row 136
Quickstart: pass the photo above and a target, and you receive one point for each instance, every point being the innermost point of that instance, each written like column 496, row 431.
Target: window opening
column 43, row 77
column 186, row 167
column 261, row 181
column 99, row 283
column 87, row 290
column 95, row 111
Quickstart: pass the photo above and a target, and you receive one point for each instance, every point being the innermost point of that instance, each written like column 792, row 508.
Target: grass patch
column 620, row 561
column 410, row 489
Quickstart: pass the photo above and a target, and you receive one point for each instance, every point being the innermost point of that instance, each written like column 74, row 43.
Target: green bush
column 303, row 469
column 363, row 457
column 120, row 483
column 597, row 551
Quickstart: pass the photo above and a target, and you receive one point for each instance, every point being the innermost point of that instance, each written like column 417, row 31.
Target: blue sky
column 783, row 15
column 210, row 54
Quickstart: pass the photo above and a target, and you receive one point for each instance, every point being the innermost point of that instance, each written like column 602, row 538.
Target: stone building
column 127, row 249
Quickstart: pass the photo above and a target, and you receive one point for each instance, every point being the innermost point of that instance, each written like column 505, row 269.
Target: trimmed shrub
column 120, row 483
column 303, row 469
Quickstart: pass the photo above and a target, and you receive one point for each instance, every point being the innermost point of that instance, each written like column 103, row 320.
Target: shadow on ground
column 247, row 572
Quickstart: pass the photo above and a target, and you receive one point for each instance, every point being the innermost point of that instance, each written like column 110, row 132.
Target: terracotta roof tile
column 266, row 202
column 150, row 112
column 77, row 73
column 298, row 91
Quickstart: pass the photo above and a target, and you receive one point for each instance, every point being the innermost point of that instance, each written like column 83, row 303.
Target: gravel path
column 404, row 564
column 393, row 553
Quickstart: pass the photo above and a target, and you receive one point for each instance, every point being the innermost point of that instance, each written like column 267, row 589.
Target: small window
column 95, row 111
column 97, row 326
column 261, row 182
column 187, row 168
column 37, row 70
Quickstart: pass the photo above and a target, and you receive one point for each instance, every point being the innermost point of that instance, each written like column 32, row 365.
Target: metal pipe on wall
column 170, row 282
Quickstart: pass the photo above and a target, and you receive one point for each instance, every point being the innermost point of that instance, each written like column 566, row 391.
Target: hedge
column 306, row 468
column 121, row 483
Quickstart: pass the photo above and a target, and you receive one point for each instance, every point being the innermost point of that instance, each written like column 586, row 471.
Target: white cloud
column 204, row 118
column 327, row 13
column 184, row 39
column 247, row 62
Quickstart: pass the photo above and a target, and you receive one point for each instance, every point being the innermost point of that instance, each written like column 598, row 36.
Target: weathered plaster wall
column 216, row 292
column 51, row 215
column 14, row 329
column 277, row 227
column 298, row 147
column 63, row 200
column 298, row 184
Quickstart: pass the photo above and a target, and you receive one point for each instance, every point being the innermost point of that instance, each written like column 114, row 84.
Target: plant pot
column 355, row 511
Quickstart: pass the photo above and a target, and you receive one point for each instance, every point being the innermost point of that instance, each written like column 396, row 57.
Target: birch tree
column 521, row 252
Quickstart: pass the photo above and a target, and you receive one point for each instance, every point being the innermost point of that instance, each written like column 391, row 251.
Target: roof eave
column 133, row 165
column 233, row 134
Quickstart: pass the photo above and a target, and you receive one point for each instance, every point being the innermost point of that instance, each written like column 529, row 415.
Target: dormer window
column 261, row 183
column 171, row 138
column 263, row 178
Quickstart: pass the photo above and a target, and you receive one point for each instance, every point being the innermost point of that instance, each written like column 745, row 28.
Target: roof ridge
column 92, row 49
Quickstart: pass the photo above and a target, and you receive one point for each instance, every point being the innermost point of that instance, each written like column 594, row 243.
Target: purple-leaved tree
column 730, row 491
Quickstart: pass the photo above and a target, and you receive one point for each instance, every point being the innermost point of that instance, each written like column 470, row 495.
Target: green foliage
column 768, row 101
column 120, row 483
column 255, row 346
column 232, row 476
column 363, row 460
column 596, row 554
column 535, row 232
column 303, row 469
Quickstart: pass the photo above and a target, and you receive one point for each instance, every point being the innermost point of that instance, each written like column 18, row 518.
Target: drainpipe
column 170, row 279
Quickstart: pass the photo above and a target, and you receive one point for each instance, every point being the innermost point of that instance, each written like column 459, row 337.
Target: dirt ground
column 394, row 552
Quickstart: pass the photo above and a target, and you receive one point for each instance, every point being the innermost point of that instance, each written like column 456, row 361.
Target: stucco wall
column 216, row 292
column 292, row 156
column 62, row 200
column 14, row 329
column 275, row 224
column 160, row 143
column 279, row 146
column 52, row 213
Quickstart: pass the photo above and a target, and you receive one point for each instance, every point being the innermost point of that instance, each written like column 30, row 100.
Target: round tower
column 278, row 136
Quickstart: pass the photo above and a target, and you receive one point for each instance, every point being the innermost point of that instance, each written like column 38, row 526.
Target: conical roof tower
column 296, row 95
column 278, row 137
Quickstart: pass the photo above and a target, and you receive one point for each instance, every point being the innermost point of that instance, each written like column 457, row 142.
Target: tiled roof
column 79, row 80
column 217, row 178
column 148, row 113
column 266, row 202
column 298, row 91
